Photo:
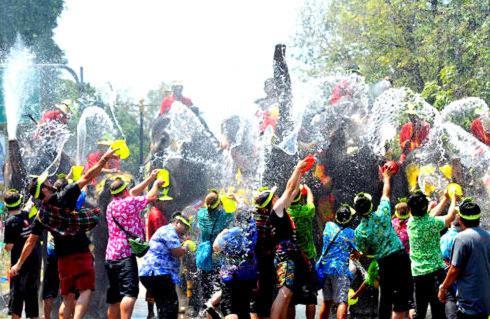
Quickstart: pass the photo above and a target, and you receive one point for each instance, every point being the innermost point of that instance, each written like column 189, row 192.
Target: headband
column 402, row 217
column 17, row 203
column 269, row 197
column 119, row 189
column 218, row 199
column 183, row 220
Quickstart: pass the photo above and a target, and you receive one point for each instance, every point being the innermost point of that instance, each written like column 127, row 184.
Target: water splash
column 100, row 126
column 17, row 83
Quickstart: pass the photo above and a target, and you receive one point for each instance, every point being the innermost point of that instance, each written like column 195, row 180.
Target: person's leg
column 113, row 311
column 280, row 305
column 67, row 308
column 167, row 301
column 422, row 296
column 151, row 305
column 82, row 304
column 127, row 306
column 31, row 300
column 47, row 307
column 385, row 290
column 291, row 312
column 128, row 286
column 451, row 307
column 437, row 308
column 310, row 311
column 342, row 310
column 325, row 309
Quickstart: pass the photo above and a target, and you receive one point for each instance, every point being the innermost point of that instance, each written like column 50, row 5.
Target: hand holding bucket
column 454, row 189
column 309, row 162
column 122, row 149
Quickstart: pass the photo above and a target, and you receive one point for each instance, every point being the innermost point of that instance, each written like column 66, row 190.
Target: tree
column 440, row 48
column 34, row 21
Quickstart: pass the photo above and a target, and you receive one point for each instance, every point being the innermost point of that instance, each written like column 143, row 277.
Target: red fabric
column 339, row 91
column 94, row 157
column 156, row 219
column 267, row 120
column 76, row 273
column 479, row 131
column 169, row 100
column 53, row 115
column 410, row 139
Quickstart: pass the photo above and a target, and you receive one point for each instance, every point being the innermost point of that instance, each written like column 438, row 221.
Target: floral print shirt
column 375, row 234
column 425, row 252
column 400, row 227
column 159, row 261
column 127, row 212
column 336, row 261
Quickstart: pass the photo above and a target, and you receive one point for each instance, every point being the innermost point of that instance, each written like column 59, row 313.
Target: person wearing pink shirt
column 399, row 223
column 124, row 217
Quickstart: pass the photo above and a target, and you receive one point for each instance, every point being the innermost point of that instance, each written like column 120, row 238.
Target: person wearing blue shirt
column 211, row 220
column 239, row 268
column 159, row 271
column 446, row 244
column 333, row 265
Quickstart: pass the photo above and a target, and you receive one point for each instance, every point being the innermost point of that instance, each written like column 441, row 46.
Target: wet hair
column 117, row 183
column 468, row 208
column 211, row 199
column 363, row 204
column 343, row 216
column 418, row 204
column 11, row 197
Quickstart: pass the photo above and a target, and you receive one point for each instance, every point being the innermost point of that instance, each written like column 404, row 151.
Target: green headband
column 470, row 217
column 17, row 203
column 402, row 217
column 183, row 220
column 269, row 198
column 218, row 199
column 119, row 189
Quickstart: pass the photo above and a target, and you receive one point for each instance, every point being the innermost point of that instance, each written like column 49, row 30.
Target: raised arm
column 138, row 189
column 436, row 211
column 153, row 193
column 293, row 184
column 451, row 213
column 26, row 252
column 96, row 169
column 386, row 184
column 310, row 199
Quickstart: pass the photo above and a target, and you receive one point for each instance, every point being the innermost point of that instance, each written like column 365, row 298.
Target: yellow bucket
column 76, row 172
column 447, row 171
column 412, row 171
column 164, row 196
column 351, row 301
column 191, row 244
column 454, row 189
column 164, row 176
column 123, row 149
column 229, row 204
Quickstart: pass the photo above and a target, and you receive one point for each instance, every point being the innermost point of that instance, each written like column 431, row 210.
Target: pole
column 142, row 110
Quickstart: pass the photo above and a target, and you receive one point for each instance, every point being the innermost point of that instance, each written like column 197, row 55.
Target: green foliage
column 440, row 48
column 34, row 21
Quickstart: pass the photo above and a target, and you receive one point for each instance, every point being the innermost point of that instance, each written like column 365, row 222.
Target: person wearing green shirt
column 375, row 236
column 424, row 230
column 302, row 212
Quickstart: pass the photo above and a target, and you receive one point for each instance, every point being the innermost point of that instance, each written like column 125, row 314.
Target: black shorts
column 51, row 279
column 123, row 279
column 305, row 283
column 263, row 294
column 24, row 293
column 235, row 298
column 395, row 283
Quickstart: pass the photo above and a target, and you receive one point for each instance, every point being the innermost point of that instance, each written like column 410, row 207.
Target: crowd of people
column 253, row 261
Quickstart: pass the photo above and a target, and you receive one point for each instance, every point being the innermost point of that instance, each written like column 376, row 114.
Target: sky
column 220, row 49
